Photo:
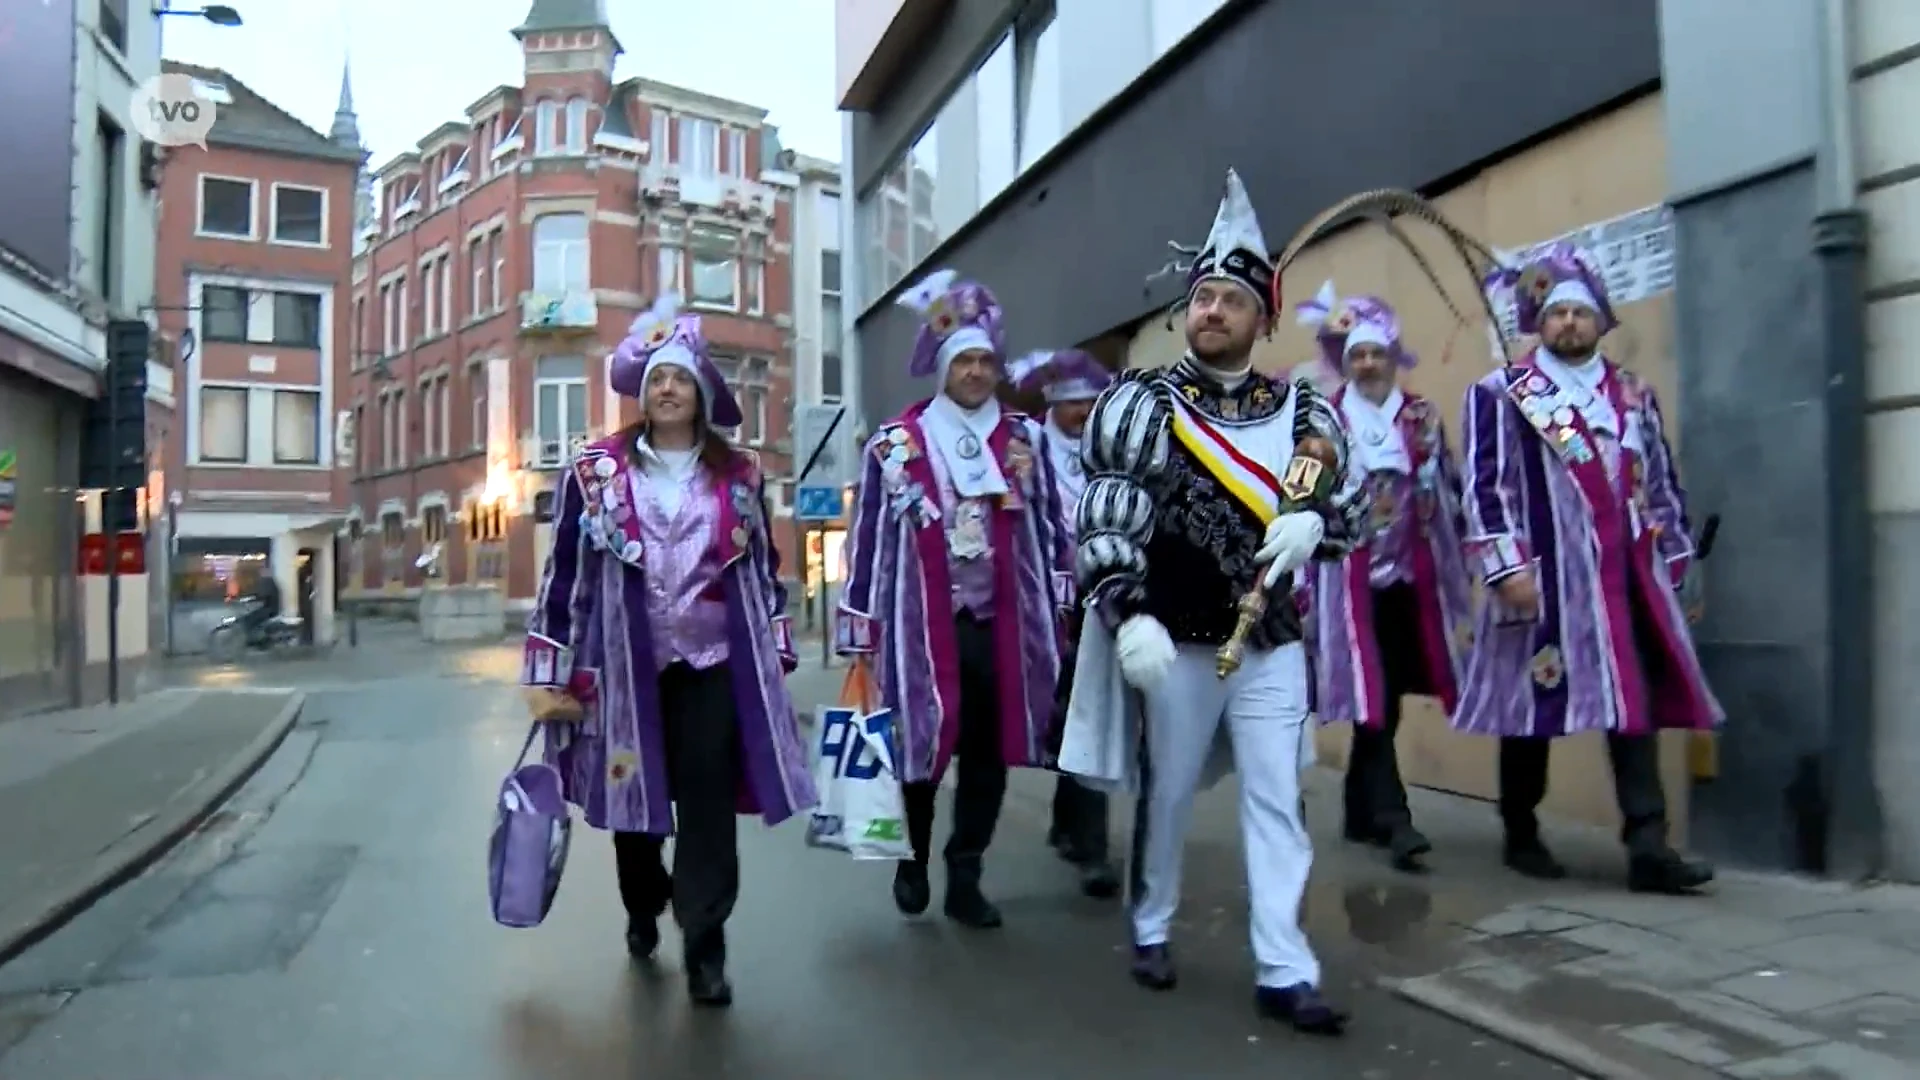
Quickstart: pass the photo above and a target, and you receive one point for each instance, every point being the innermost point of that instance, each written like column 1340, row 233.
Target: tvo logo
column 172, row 110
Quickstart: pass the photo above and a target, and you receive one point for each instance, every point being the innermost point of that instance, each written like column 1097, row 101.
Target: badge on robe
column 967, row 536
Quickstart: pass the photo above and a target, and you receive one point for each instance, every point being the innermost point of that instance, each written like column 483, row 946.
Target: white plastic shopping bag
column 860, row 810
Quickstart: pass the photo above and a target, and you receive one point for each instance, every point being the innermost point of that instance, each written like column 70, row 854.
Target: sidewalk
column 90, row 796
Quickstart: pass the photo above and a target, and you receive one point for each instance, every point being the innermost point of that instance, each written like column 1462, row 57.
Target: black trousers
column 1636, row 781
column 1080, row 820
column 703, row 774
column 1376, row 796
column 980, row 784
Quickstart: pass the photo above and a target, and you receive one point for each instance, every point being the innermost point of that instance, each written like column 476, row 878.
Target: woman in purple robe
column 660, row 643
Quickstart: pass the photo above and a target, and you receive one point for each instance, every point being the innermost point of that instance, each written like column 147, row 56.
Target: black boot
column 1406, row 845
column 1301, row 1006
column 911, row 893
column 643, row 937
column 1153, row 967
column 1527, row 855
column 966, row 904
column 1099, row 879
column 1666, row 872
column 706, row 960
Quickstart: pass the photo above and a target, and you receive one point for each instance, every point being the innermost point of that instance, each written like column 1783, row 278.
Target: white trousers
column 1264, row 705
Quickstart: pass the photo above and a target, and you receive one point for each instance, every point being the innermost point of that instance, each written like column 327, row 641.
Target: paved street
column 330, row 922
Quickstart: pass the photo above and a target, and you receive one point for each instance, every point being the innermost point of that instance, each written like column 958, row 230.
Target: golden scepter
column 1303, row 485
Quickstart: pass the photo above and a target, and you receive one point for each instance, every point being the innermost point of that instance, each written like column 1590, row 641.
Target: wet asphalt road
column 331, row 924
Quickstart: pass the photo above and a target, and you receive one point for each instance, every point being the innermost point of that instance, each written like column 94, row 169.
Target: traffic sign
column 818, row 503
column 824, row 437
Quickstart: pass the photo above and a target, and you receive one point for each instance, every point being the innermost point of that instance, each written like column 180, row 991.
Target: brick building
column 252, row 273
column 506, row 255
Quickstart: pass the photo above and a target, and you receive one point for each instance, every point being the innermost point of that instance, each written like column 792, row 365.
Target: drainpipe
column 1853, row 828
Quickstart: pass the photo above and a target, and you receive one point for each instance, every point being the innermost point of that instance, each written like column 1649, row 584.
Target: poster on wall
column 9, row 486
column 1635, row 252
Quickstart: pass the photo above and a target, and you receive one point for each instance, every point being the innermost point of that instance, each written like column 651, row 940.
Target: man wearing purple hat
column 1070, row 380
column 958, row 577
column 659, row 644
column 1395, row 617
column 1576, row 519
column 1185, row 531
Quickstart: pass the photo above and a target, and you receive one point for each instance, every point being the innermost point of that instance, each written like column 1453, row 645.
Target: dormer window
column 577, row 126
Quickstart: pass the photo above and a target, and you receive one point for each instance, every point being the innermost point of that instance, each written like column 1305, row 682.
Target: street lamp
column 217, row 14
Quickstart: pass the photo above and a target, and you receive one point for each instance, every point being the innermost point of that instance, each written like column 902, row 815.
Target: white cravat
column 1376, row 444
column 670, row 469
column 1067, row 471
column 1228, row 381
column 1581, row 385
column 953, row 430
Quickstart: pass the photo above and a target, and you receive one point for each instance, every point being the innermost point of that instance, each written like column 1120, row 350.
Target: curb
column 177, row 820
column 1436, row 994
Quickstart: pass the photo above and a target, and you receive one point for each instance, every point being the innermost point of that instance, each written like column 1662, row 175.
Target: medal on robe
column 968, row 447
column 967, row 536
column 1376, row 437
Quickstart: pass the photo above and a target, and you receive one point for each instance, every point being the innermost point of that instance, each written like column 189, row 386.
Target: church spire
column 346, row 124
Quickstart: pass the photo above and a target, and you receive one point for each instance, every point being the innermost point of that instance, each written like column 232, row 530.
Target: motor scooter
column 233, row 634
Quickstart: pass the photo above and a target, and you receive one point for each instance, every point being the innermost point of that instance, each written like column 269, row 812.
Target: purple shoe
column 1301, row 1006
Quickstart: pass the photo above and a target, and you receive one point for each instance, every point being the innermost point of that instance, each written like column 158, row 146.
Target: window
column 828, row 228
column 223, row 313
column 750, row 380
column 393, row 529
column 736, row 153
column 560, row 256
column 433, row 524
column 546, row 119
column 995, row 134
column 111, row 151
column 296, row 427
column 359, row 339
column 1037, row 114
column 716, row 267
column 830, row 328
column 400, row 314
column 359, row 442
column 226, row 207
column 497, row 245
column 559, row 407
column 389, row 431
column 673, row 263
column 113, row 23
column 755, row 284
column 446, row 293
column 477, row 405
column 223, row 424
column 1173, row 20
column 299, row 215
column 296, row 320
column 699, row 146
column 429, row 419
column 477, row 262
column 660, row 124
column 400, row 426
column 577, row 126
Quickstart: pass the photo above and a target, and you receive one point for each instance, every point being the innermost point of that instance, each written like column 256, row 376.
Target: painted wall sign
column 1634, row 250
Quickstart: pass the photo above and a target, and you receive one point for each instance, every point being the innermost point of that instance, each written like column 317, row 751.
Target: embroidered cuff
column 545, row 662
column 854, row 632
column 783, row 636
column 1062, row 589
column 1499, row 557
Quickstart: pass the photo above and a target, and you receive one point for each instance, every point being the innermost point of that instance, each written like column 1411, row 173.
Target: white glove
column 1289, row 543
column 1145, row 649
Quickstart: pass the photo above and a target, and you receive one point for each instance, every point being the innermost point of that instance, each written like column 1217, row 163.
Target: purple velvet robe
column 1610, row 650
column 897, row 603
column 1349, row 684
column 589, row 633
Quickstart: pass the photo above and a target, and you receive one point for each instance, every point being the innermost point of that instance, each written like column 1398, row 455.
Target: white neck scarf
column 1580, row 382
column 669, row 471
column 1068, row 474
column 1377, row 443
column 958, row 438
column 1228, row 381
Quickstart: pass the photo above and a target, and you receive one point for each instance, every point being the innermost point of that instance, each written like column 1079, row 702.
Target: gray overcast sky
column 420, row 63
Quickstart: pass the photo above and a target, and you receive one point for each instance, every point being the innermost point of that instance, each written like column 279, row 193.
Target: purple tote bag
column 532, row 830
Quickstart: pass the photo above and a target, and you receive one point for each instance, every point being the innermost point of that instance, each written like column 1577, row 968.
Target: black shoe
column 707, row 985
column 1061, row 844
column 911, row 893
column 968, row 906
column 1407, row 845
column 643, row 937
column 1357, row 833
column 1302, row 1006
column 1535, row 861
column 1668, row 873
column 1153, row 967
column 1099, row 879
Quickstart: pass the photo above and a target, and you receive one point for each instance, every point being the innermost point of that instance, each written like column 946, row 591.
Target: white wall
column 811, row 236
column 106, row 80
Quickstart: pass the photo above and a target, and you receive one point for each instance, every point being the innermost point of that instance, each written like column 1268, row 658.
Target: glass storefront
column 39, row 431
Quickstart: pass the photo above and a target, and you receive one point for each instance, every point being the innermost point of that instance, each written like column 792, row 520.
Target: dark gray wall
column 1752, row 392
column 1445, row 86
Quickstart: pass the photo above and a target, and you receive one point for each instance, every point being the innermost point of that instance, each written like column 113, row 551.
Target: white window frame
column 477, row 413
column 497, row 247
column 200, row 208
column 546, row 127
column 563, row 250
column 559, row 385
column 753, row 275
column 659, row 136
column 477, row 264
column 198, row 451
column 273, row 393
column 273, row 214
column 693, row 269
column 696, row 133
column 446, row 292
column 736, row 166
column 577, row 113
